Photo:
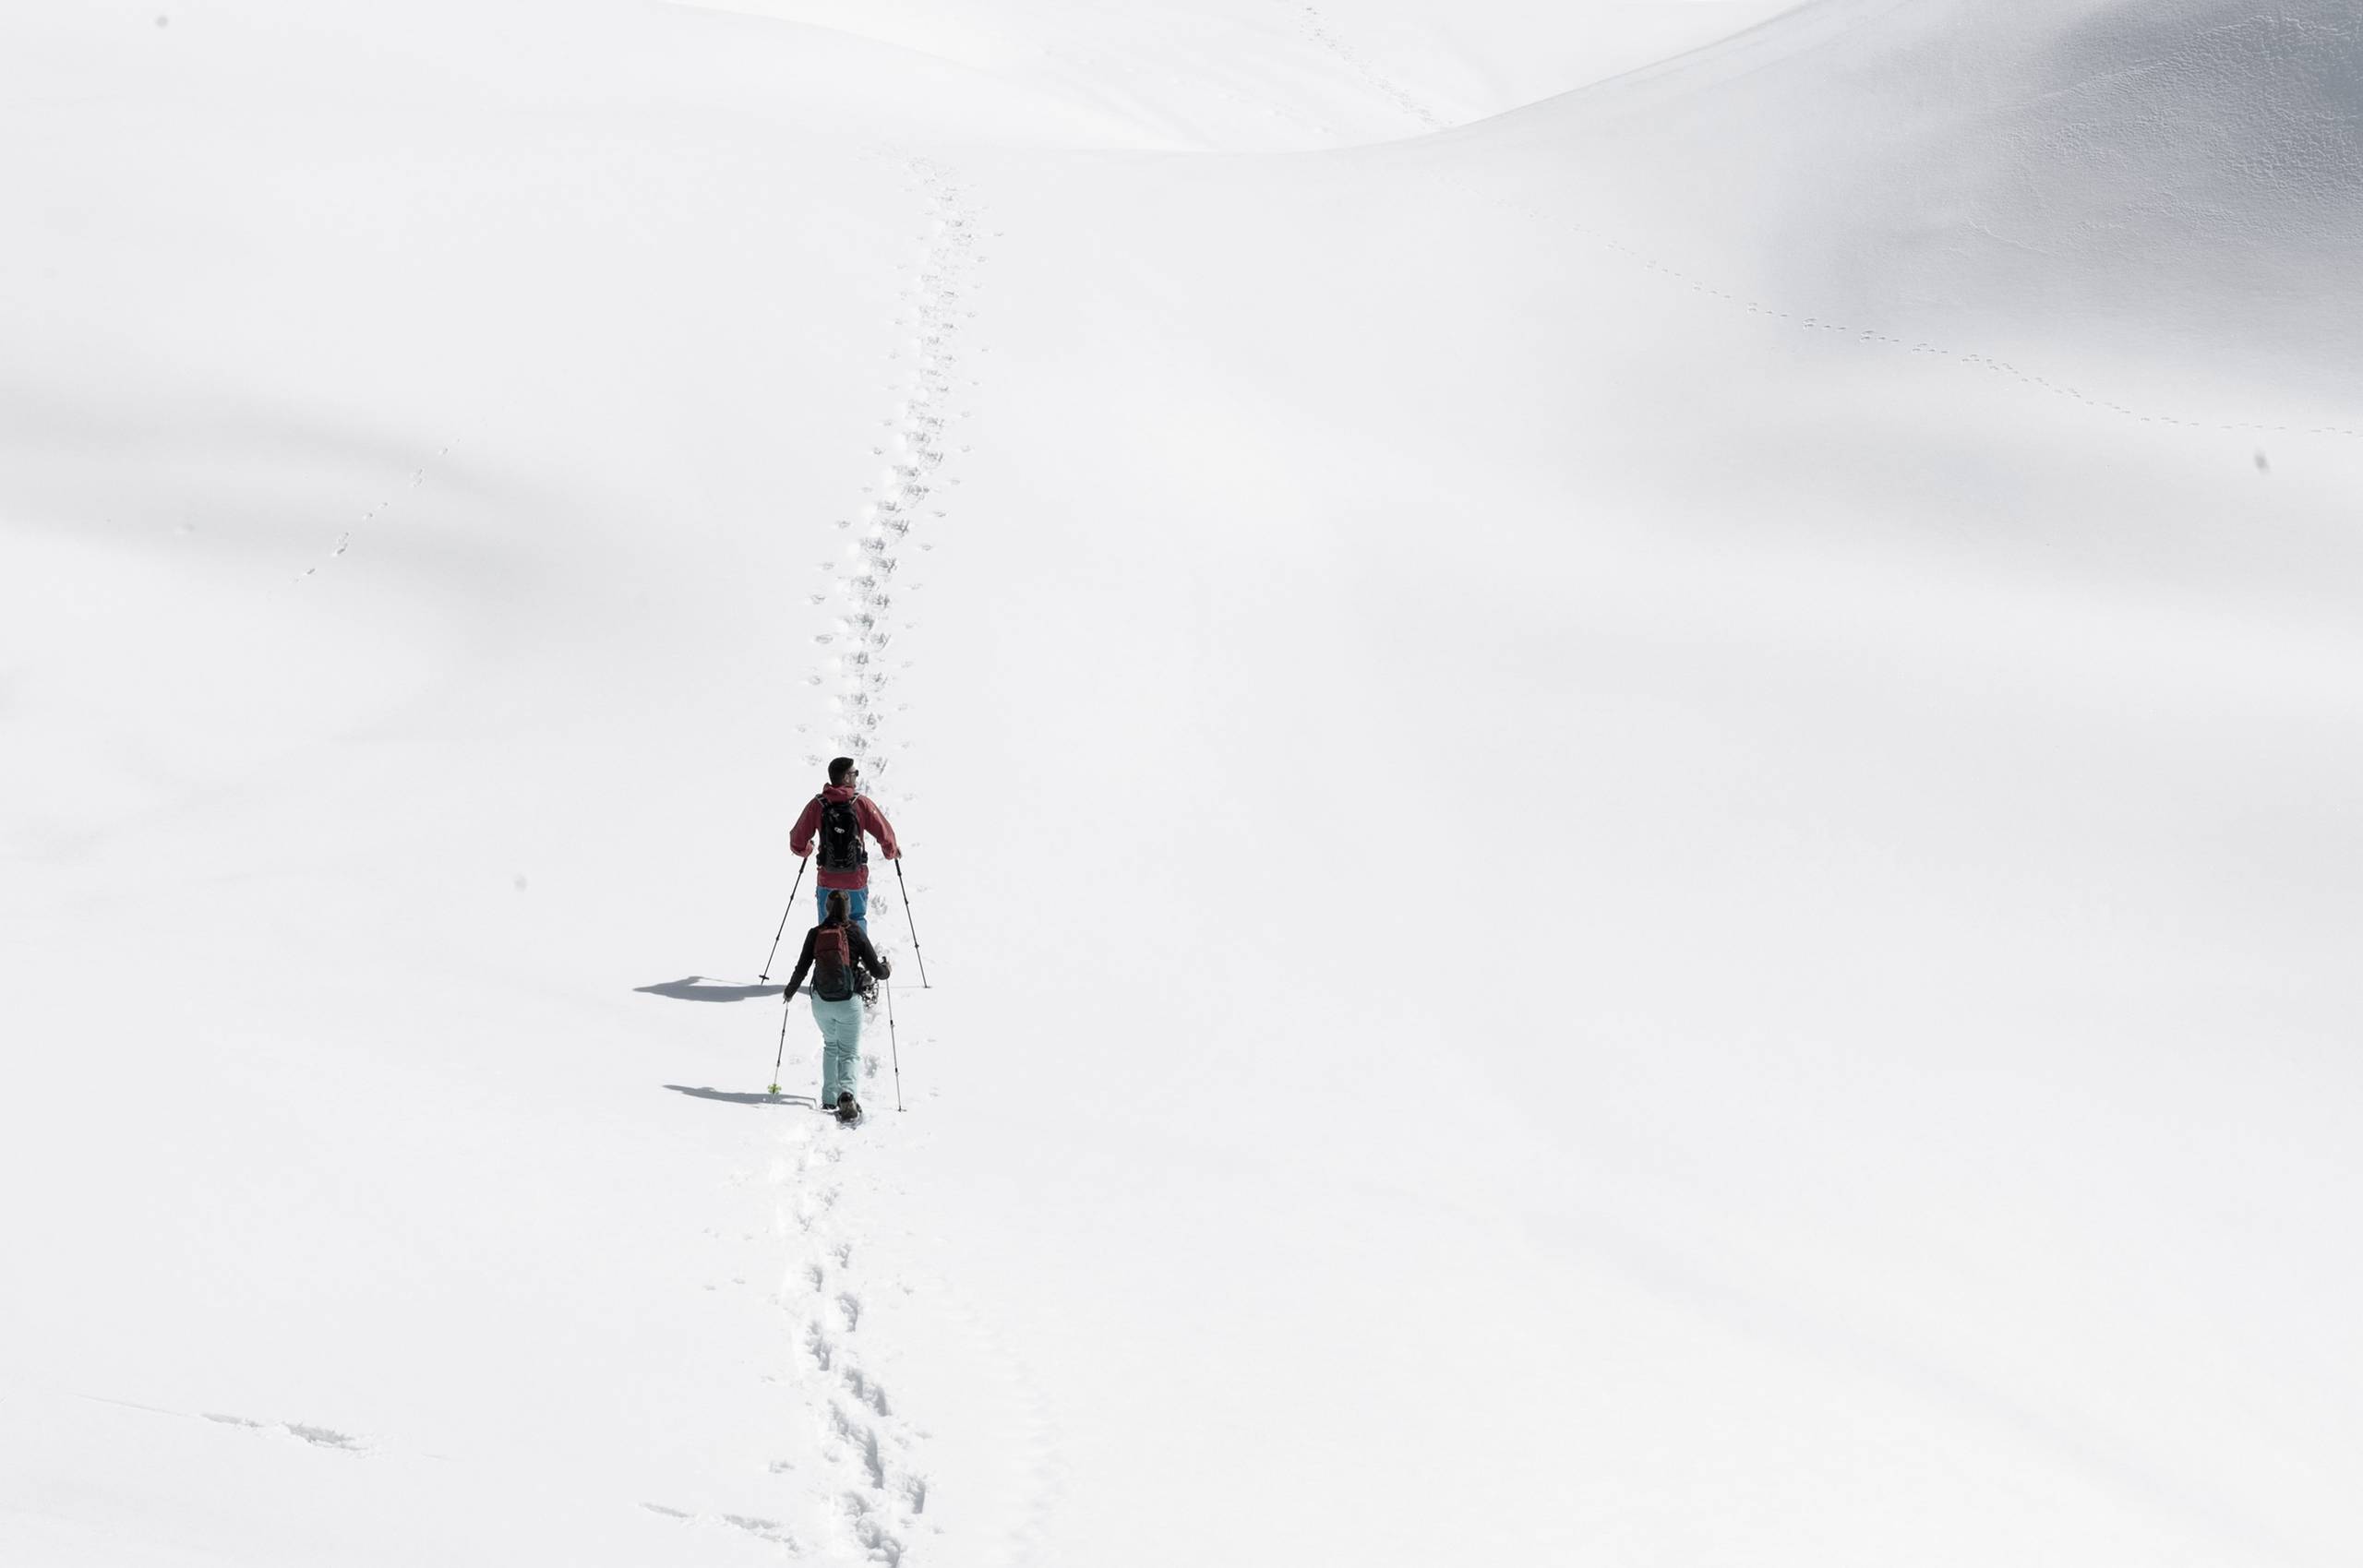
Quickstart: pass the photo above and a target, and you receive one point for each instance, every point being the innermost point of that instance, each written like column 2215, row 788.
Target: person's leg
column 840, row 1047
column 822, row 904
column 823, row 1016
column 848, row 1050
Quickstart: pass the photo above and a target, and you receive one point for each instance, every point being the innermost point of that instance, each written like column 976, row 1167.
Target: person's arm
column 867, row 956
column 803, row 962
column 799, row 837
column 879, row 828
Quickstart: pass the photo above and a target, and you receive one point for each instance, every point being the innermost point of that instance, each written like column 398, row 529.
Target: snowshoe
column 848, row 1109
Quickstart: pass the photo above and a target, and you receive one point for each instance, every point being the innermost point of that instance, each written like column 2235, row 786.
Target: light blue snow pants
column 840, row 1024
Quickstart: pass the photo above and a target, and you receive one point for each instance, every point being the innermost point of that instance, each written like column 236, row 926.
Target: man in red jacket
column 838, row 816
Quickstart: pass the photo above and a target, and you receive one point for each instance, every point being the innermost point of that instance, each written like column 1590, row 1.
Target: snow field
column 1631, row 819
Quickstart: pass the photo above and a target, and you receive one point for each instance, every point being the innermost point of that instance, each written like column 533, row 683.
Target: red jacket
column 874, row 822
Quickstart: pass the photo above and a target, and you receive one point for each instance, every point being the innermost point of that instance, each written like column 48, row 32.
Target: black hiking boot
column 848, row 1109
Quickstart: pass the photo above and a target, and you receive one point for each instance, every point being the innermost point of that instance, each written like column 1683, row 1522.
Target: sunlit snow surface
column 1628, row 734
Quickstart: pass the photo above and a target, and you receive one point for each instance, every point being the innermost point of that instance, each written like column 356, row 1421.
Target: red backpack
column 832, row 976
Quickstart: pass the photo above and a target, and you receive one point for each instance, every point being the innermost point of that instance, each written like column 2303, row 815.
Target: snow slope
column 2177, row 182
column 1630, row 820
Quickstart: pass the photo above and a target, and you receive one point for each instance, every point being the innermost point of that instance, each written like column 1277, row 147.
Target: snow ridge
column 1968, row 359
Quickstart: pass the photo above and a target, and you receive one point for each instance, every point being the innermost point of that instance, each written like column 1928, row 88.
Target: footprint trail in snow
column 872, row 1496
column 909, row 495
column 864, row 1498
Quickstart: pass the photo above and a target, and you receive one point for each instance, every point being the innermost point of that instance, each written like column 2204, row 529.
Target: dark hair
column 838, row 768
column 838, row 908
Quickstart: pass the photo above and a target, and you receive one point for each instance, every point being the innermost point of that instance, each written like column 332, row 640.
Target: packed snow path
column 868, row 1501
column 875, row 1497
column 909, row 499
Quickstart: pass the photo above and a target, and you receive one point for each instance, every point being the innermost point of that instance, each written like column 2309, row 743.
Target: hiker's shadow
column 808, row 1101
column 697, row 988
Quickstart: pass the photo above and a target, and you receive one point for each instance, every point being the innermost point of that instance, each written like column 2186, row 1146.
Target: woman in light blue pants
column 840, row 1024
column 843, row 966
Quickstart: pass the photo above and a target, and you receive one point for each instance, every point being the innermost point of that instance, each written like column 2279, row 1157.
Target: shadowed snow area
column 1625, row 736
column 2177, row 181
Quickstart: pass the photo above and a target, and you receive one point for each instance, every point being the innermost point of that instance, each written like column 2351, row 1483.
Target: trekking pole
column 915, row 931
column 783, row 921
column 781, row 1055
column 892, row 1044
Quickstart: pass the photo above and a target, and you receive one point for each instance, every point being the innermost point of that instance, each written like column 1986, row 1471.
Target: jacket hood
column 834, row 792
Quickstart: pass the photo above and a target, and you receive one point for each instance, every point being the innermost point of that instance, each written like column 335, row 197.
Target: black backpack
column 841, row 847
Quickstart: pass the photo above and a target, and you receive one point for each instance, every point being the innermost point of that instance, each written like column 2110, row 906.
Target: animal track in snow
column 416, row 477
column 1316, row 27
